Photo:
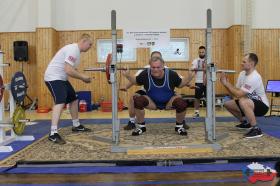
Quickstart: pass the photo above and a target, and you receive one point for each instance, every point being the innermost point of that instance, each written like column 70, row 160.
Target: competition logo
column 248, row 87
column 72, row 59
column 257, row 172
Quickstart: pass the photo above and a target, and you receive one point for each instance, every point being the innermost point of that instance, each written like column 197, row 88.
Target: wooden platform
column 163, row 145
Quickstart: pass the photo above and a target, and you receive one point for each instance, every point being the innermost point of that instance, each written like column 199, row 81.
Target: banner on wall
column 146, row 38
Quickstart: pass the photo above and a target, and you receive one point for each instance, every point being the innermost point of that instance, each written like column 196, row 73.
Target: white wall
column 27, row 15
column 236, row 4
column 266, row 14
column 46, row 13
column 95, row 14
column 18, row 15
column 139, row 14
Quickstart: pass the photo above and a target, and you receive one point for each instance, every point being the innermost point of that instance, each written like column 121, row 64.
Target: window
column 177, row 50
column 104, row 47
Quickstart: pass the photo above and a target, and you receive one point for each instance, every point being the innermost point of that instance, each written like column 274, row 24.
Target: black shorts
column 200, row 90
column 62, row 91
column 260, row 109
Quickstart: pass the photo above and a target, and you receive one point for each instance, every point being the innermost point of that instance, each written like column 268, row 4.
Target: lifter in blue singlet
column 159, row 83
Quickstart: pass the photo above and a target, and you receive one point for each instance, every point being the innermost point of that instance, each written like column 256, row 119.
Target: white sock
column 53, row 130
column 196, row 111
column 132, row 120
column 76, row 122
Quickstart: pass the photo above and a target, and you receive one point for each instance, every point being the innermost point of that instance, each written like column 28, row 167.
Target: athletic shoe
column 56, row 138
column 130, row 125
column 196, row 115
column 81, row 128
column 181, row 131
column 181, row 128
column 244, row 125
column 139, row 130
column 254, row 133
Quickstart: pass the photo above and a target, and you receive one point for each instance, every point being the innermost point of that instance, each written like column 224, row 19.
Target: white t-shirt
column 253, row 85
column 68, row 54
column 198, row 64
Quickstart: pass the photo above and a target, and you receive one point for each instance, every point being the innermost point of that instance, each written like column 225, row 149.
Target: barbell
column 18, row 121
column 109, row 62
column 18, row 87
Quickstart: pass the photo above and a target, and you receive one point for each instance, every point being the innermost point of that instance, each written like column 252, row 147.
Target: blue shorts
column 62, row 91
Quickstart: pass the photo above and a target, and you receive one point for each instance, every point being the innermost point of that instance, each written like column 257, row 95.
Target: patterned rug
column 82, row 146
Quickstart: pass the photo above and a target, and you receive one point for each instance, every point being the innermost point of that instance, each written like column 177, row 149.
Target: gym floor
column 230, row 178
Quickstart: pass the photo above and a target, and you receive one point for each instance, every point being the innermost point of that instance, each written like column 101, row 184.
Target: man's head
column 156, row 54
column 249, row 61
column 157, row 67
column 85, row 42
column 201, row 52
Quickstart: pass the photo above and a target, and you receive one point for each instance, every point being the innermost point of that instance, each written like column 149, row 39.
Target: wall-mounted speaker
column 20, row 50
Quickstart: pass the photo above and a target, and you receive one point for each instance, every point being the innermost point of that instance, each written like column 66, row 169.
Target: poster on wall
column 104, row 47
column 146, row 38
column 177, row 50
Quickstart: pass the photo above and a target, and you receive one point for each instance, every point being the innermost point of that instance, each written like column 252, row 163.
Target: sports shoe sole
column 57, row 142
column 138, row 134
column 243, row 128
column 251, row 137
column 87, row 130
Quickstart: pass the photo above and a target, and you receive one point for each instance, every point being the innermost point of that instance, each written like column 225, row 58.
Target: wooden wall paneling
column 235, row 50
column 227, row 54
column 6, row 41
column 266, row 45
column 219, row 54
column 46, row 47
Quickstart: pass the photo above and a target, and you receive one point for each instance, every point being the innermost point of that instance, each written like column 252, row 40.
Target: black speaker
column 20, row 50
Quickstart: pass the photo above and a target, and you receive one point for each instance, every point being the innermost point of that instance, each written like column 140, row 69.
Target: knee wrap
column 140, row 102
column 180, row 105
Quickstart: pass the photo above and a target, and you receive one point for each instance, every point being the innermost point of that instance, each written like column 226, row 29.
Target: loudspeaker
column 20, row 50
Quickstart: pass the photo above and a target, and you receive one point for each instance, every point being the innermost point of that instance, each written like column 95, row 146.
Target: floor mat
column 84, row 147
